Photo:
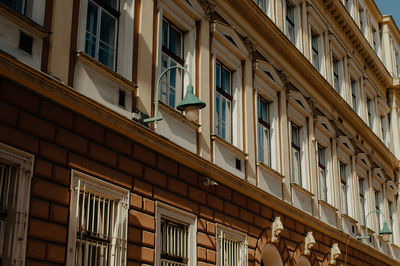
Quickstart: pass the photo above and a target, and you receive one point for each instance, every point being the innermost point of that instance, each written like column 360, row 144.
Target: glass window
column 375, row 39
column 397, row 63
column 390, row 209
column 335, row 66
column 377, row 208
column 369, row 111
column 383, row 130
column 101, row 31
column 347, row 5
column 323, row 189
column 264, row 137
column 17, row 5
column 296, row 155
column 344, row 187
column 290, row 26
column 354, row 98
column 362, row 189
column 361, row 15
column 231, row 247
column 263, row 4
column 223, row 101
column 315, row 50
column 172, row 55
column 174, row 243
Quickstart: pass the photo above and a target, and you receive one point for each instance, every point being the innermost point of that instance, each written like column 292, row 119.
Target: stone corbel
column 276, row 229
column 335, row 253
column 309, row 242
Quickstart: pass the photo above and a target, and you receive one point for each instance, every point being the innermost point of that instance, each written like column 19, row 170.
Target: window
column 362, row 189
column 290, row 26
column 344, row 187
column 390, row 212
column 361, row 15
column 383, row 130
column 264, row 136
column 296, row 155
column 323, row 189
column 336, row 81
column 231, row 247
column 176, row 240
column 223, row 101
column 370, row 112
column 17, row 5
column 15, row 177
column 347, row 5
column 263, row 4
column 354, row 98
column 98, row 230
column 315, row 50
column 375, row 40
column 397, row 58
column 378, row 209
column 101, row 31
column 172, row 55
column 174, row 243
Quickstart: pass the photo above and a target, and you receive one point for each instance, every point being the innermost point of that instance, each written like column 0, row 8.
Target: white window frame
column 295, row 4
column 234, row 235
column 298, row 111
column 391, row 192
column 370, row 94
column 345, row 151
column 179, row 216
column 317, row 28
column 23, row 162
column 124, row 34
column 363, row 167
column 230, row 52
column 267, row 84
column 324, row 132
column 378, row 180
column 337, row 51
column 267, row 6
column 355, row 74
column 182, row 16
column 107, row 190
column 383, row 110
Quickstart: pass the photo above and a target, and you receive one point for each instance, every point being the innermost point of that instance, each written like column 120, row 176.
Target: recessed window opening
column 369, row 111
column 17, row 5
column 344, row 187
column 361, row 187
column 172, row 55
column 101, row 31
column 335, row 66
column 223, row 101
column 315, row 50
column 353, row 85
column 174, row 243
column 296, row 155
column 290, row 26
column 264, row 134
column 322, row 173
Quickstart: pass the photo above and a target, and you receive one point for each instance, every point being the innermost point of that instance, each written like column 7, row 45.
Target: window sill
column 327, row 205
column 229, row 146
column 103, row 70
column 349, row 218
column 24, row 22
column 302, row 190
column 269, row 170
column 175, row 113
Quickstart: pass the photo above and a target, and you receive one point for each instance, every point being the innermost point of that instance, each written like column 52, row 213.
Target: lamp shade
column 190, row 100
column 385, row 232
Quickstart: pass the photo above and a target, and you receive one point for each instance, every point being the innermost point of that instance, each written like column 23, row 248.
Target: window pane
column 17, row 5
column 223, row 118
column 175, row 42
column 111, row 3
column 91, row 30
column 165, row 34
column 260, row 143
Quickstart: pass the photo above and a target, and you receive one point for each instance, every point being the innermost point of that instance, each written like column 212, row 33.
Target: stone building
column 293, row 161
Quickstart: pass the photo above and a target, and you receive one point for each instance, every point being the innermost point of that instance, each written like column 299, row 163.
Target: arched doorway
column 271, row 256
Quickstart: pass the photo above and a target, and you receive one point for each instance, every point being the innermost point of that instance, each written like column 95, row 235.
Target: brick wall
column 62, row 140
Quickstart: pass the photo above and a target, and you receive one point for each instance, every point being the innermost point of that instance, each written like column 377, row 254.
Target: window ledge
column 269, row 170
column 103, row 70
column 301, row 189
column 229, row 146
column 175, row 113
column 349, row 218
column 26, row 23
column 327, row 205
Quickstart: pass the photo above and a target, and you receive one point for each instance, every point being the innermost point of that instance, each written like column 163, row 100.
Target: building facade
column 293, row 161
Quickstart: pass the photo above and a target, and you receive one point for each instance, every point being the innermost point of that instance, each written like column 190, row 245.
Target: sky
column 390, row 7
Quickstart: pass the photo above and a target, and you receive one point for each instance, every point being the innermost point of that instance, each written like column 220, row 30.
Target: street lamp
column 190, row 103
column 385, row 232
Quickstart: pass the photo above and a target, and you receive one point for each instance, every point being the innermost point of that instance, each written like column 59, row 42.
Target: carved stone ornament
column 209, row 7
column 277, row 227
column 335, row 252
column 250, row 45
column 309, row 242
